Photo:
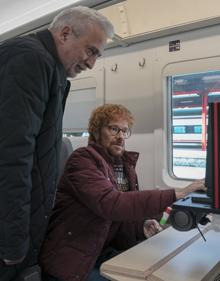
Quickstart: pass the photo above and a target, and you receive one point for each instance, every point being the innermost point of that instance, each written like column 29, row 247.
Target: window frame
column 170, row 70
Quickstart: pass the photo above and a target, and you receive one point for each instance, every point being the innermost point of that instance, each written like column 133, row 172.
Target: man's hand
column 196, row 185
column 151, row 227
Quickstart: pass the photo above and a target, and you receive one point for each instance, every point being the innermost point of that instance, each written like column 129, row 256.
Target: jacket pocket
column 85, row 241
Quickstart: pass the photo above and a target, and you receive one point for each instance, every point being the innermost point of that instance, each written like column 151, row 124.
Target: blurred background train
column 163, row 64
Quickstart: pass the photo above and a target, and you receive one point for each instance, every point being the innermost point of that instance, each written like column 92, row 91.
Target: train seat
column 66, row 150
column 69, row 144
column 78, row 142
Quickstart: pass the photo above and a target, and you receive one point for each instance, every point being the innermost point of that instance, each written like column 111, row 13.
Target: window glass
column 81, row 101
column 190, row 96
column 79, row 106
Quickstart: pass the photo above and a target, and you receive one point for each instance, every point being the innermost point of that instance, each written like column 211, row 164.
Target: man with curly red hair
column 99, row 210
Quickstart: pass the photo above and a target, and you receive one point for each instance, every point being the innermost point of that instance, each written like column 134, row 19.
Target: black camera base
column 190, row 211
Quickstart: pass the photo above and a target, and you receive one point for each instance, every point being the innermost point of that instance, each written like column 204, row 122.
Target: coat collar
column 46, row 38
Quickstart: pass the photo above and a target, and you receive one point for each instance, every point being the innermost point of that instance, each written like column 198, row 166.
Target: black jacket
column 33, row 90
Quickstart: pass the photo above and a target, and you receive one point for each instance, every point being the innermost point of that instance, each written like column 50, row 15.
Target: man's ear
column 65, row 33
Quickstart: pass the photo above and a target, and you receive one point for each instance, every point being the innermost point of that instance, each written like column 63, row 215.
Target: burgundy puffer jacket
column 89, row 207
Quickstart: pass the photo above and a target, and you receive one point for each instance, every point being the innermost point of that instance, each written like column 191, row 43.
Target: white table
column 170, row 255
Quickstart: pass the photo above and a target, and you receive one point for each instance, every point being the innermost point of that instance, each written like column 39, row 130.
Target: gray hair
column 79, row 18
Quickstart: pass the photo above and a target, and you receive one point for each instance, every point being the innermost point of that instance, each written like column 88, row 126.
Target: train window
column 190, row 95
column 179, row 129
column 79, row 105
column 197, row 129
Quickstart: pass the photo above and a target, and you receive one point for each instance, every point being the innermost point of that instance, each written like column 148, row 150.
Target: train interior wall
column 136, row 76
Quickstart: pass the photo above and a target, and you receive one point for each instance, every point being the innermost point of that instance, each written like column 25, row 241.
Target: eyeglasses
column 114, row 131
column 93, row 52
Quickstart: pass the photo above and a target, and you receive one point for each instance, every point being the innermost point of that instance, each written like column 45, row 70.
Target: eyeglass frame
column 126, row 131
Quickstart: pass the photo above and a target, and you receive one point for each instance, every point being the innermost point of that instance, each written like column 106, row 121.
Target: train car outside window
column 190, row 96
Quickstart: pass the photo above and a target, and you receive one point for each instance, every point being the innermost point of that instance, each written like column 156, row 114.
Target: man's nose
column 120, row 134
column 91, row 61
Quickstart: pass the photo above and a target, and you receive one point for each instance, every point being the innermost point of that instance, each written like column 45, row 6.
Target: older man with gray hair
column 33, row 91
column 80, row 35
